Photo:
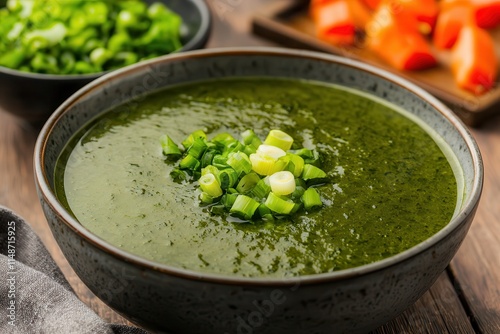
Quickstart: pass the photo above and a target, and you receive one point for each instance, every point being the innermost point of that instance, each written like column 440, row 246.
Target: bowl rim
column 198, row 40
column 468, row 207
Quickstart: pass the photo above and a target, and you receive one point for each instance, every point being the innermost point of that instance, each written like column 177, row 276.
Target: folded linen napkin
column 34, row 295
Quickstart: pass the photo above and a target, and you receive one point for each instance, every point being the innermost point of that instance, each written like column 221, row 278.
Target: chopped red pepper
column 452, row 17
column 394, row 38
column 337, row 21
column 372, row 4
column 425, row 11
column 474, row 62
column 487, row 13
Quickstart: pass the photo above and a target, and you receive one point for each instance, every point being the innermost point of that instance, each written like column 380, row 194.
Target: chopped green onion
column 235, row 146
column 228, row 199
column 282, row 183
column 52, row 36
column 310, row 156
column 270, row 151
column 312, row 174
column 228, row 178
column 300, row 183
column 206, row 198
column 296, row 207
column 179, row 175
column 264, row 210
column 249, row 149
column 192, row 137
column 169, row 147
column 295, row 164
column 208, row 157
column 209, row 185
column 279, row 139
column 99, row 56
column 279, row 204
column 268, row 217
column 240, row 162
column 263, row 165
column 311, row 199
column 210, row 169
column 12, row 58
column 251, row 139
column 262, row 188
column 266, row 184
column 220, row 161
column 223, row 139
column 197, row 148
column 189, row 162
column 297, row 193
column 244, row 207
column 247, row 183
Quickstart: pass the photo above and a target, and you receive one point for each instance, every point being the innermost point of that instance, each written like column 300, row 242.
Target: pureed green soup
column 391, row 186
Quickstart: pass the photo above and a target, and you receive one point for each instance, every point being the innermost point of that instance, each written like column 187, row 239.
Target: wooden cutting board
column 290, row 25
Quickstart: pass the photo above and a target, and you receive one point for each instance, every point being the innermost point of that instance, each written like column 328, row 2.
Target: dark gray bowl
column 173, row 300
column 33, row 97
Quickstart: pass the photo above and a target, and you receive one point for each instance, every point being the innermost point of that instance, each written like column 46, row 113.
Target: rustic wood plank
column 438, row 311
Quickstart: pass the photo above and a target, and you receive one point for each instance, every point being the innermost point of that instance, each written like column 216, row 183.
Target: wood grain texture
column 475, row 271
column 438, row 311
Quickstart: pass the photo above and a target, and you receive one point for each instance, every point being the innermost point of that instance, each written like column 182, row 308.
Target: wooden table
column 465, row 298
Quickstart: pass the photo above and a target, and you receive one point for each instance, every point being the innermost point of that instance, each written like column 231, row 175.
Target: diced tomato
column 452, row 17
column 425, row 11
column 487, row 13
column 337, row 21
column 474, row 62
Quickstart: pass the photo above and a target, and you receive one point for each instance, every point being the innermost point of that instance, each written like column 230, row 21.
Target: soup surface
column 391, row 185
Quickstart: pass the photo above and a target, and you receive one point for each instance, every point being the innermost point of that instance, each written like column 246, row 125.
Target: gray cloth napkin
column 34, row 295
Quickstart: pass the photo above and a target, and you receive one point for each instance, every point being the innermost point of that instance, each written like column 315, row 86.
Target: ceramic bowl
column 33, row 97
column 173, row 300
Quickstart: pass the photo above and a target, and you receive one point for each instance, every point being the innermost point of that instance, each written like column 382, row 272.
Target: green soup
column 391, row 184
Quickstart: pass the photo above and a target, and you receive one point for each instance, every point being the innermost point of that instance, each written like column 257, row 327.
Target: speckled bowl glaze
column 172, row 300
column 33, row 97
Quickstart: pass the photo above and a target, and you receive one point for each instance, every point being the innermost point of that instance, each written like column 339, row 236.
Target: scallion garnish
column 228, row 178
column 197, row 148
column 279, row 139
column 169, row 147
column 240, row 162
column 244, row 207
column 192, row 137
column 189, row 162
column 295, row 164
column 282, row 183
column 311, row 199
column 313, row 174
column 209, row 185
column 278, row 204
column 247, row 183
column 246, row 178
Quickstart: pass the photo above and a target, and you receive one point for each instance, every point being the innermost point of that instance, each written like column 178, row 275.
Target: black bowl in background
column 33, row 97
